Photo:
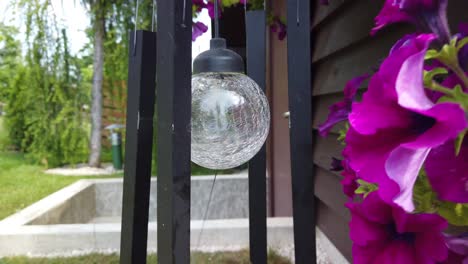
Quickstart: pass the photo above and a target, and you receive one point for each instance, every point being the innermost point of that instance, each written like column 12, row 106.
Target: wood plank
column 139, row 140
column 173, row 114
column 300, row 107
column 321, row 106
column 321, row 110
column 333, row 73
column 336, row 228
column 325, row 149
column 328, row 190
column 345, row 29
column 349, row 26
column 322, row 12
column 256, row 69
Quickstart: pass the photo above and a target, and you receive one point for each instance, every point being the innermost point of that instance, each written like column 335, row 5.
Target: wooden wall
column 343, row 49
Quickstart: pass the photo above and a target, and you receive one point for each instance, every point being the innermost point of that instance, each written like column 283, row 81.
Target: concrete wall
column 87, row 200
column 229, row 199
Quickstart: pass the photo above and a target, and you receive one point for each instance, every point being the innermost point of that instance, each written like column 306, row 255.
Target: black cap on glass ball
column 218, row 59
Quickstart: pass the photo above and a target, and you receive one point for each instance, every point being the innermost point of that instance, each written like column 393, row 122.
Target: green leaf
column 455, row 213
column 459, row 141
column 447, row 55
column 342, row 134
column 365, row 187
column 431, row 54
column 457, row 95
column 423, row 196
column 462, row 43
column 429, row 75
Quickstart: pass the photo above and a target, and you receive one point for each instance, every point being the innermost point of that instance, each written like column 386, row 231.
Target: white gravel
column 83, row 170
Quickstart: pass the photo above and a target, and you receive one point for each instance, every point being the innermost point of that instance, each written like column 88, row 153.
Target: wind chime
column 230, row 113
column 220, row 120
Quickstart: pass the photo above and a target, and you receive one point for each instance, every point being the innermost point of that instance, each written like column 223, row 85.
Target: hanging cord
column 297, row 12
column 216, row 22
column 184, row 10
column 136, row 23
column 207, row 209
column 153, row 16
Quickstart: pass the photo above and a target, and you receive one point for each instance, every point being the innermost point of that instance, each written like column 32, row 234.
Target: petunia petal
column 340, row 110
column 449, row 120
column 397, row 252
column 447, row 173
column 402, row 167
column 198, row 28
column 409, row 83
column 389, row 14
column 367, row 155
column 431, row 245
column 418, row 223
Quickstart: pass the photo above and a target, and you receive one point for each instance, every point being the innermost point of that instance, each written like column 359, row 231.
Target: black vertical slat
column 138, row 145
column 174, row 110
column 256, row 69
column 300, row 108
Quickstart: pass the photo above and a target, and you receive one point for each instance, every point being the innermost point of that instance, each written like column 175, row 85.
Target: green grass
column 241, row 257
column 23, row 183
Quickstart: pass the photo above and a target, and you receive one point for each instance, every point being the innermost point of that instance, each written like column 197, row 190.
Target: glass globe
column 230, row 119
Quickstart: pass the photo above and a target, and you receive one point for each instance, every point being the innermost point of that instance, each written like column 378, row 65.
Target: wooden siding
column 343, row 49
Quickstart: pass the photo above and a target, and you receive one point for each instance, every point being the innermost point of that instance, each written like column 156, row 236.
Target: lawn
column 22, row 182
column 241, row 257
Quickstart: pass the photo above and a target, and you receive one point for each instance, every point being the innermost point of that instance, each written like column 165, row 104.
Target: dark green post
column 116, row 140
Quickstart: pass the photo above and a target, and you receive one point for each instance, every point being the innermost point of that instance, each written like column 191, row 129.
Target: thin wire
column 183, row 13
column 216, row 22
column 207, row 207
column 152, row 17
column 136, row 23
column 297, row 12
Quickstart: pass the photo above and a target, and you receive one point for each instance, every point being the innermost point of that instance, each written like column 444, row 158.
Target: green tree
column 10, row 53
column 44, row 98
column 111, row 21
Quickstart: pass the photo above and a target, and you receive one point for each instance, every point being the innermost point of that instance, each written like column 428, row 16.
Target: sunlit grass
column 240, row 257
column 23, row 183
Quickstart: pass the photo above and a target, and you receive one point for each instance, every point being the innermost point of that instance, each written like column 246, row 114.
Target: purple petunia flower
column 336, row 164
column 395, row 126
column 458, row 249
column 277, row 26
column 463, row 53
column 386, row 234
column 447, row 173
column 199, row 4
column 198, row 28
column 211, row 10
column 349, row 181
column 427, row 15
column 340, row 111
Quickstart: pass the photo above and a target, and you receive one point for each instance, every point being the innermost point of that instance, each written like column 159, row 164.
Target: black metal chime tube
column 174, row 110
column 300, row 107
column 256, row 69
column 138, row 146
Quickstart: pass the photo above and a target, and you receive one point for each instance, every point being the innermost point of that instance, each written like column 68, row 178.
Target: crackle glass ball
column 230, row 119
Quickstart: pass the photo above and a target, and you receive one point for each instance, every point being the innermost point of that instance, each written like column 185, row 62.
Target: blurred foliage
column 47, row 90
column 426, row 201
column 43, row 94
